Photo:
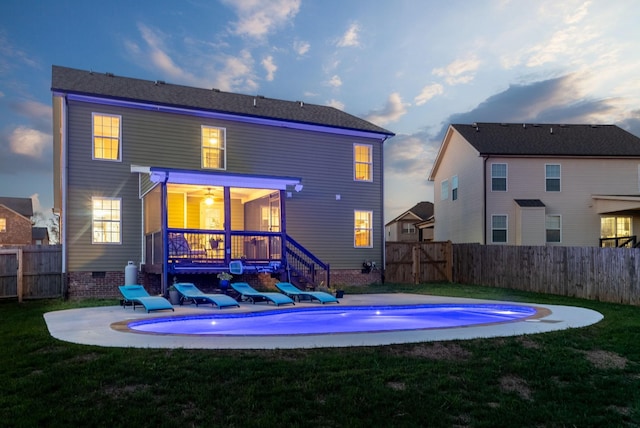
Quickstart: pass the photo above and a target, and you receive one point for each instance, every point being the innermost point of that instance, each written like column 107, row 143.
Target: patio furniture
column 253, row 295
column 179, row 247
column 295, row 293
column 136, row 294
column 191, row 292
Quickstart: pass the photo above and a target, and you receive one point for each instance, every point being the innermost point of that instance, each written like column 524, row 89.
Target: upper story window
column 214, row 143
column 362, row 162
column 454, row 188
column 106, row 220
column 3, row 225
column 408, row 228
column 552, row 177
column 363, row 229
column 553, row 225
column 499, row 228
column 444, row 190
column 106, row 137
column 498, row 177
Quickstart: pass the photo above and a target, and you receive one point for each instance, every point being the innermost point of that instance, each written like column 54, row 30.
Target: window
column 552, row 177
column 444, row 190
column 106, row 137
column 362, row 162
column 499, row 228
column 499, row 177
column 615, row 227
column 553, row 226
column 3, row 225
column 408, row 228
column 106, row 220
column 213, row 148
column 454, row 188
column 363, row 229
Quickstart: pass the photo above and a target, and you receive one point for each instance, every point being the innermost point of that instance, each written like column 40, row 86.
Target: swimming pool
column 336, row 320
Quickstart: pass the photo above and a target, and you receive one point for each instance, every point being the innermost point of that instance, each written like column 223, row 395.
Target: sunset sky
column 410, row 66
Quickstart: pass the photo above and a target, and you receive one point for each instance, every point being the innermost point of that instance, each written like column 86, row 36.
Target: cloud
column 335, row 81
column 336, row 104
column 350, row 38
column 38, row 114
column 411, row 155
column 270, row 67
column 222, row 71
column 11, row 56
column 301, row 47
column 258, row 18
column 459, row 71
column 29, row 142
column 427, row 93
column 393, row 110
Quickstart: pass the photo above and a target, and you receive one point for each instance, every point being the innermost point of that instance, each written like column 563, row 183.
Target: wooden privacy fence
column 31, row 272
column 418, row 262
column 605, row 274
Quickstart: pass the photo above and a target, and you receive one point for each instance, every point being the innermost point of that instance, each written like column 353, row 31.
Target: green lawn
column 588, row 377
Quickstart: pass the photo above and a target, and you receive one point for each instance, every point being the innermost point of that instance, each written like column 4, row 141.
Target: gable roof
column 23, row 206
column 422, row 210
column 107, row 85
column 549, row 139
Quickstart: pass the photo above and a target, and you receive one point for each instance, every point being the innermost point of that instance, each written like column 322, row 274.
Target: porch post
column 165, row 237
column 227, row 225
column 283, row 227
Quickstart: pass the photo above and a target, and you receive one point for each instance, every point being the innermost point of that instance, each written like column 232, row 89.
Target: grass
column 588, row 377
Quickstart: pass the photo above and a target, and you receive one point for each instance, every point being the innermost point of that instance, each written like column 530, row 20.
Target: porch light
column 208, row 197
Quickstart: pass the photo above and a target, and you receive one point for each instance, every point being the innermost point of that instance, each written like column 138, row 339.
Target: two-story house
column 537, row 184
column 16, row 226
column 185, row 180
column 413, row 225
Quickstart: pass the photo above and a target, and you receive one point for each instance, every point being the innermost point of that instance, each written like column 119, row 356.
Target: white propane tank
column 130, row 274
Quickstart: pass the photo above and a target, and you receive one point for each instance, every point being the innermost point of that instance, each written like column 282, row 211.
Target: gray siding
column 314, row 217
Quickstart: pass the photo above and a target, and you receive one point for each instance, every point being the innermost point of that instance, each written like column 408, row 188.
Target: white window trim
column 93, row 137
column 93, row 221
column 370, row 229
column 506, row 241
column 554, row 178
column 560, row 229
column 506, row 177
column 223, row 147
column 370, row 162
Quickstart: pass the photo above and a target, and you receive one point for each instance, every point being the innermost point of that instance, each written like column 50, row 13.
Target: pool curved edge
column 92, row 326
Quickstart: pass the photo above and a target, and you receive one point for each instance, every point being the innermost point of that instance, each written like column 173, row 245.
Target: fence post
column 415, row 264
column 20, row 275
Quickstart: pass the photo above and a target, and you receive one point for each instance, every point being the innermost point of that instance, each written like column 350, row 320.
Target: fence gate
column 419, row 262
column 10, row 274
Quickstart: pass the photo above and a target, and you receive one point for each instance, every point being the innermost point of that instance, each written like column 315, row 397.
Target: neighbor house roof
column 107, row 85
column 23, row 206
column 422, row 211
column 549, row 139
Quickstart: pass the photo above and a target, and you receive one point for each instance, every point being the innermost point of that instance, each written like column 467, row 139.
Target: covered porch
column 619, row 219
column 198, row 222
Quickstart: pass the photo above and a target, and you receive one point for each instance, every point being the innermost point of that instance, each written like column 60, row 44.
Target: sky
column 410, row 66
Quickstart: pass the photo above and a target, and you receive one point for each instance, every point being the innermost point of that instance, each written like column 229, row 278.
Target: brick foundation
column 104, row 285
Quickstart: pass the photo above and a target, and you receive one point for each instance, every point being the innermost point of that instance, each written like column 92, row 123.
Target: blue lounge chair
column 191, row 292
column 136, row 294
column 253, row 295
column 295, row 293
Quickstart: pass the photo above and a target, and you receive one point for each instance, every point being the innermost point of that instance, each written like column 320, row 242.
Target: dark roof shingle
column 107, row 85
column 549, row 139
column 23, row 206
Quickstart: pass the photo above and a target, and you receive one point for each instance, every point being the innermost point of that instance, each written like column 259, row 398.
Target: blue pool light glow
column 336, row 319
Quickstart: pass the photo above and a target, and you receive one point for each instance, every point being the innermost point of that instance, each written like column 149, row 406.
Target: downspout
column 484, row 201
column 64, row 178
column 384, row 232
column 165, row 238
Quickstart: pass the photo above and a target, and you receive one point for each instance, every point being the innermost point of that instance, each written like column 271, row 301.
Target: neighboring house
column 537, row 184
column 412, row 225
column 15, row 221
column 40, row 236
column 185, row 180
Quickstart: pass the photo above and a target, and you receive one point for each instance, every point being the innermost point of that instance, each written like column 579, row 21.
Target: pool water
column 336, row 319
